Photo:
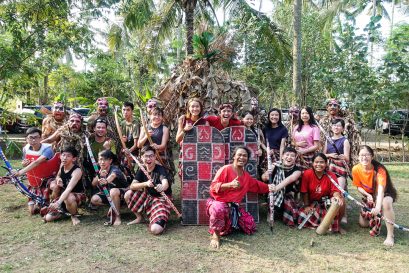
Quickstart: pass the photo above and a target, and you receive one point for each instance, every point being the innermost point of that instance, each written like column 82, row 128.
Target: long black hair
column 279, row 123
column 389, row 188
column 311, row 122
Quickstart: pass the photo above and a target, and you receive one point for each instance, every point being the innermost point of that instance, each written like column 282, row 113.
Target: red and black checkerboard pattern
column 203, row 154
column 236, row 136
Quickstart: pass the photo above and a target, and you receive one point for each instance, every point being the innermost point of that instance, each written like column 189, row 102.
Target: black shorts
column 105, row 199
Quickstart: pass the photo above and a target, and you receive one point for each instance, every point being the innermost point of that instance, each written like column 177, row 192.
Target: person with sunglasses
column 54, row 121
column 224, row 119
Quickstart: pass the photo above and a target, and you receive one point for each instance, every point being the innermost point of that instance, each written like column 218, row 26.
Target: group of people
column 310, row 159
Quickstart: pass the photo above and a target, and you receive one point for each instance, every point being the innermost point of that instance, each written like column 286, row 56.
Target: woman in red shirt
column 317, row 191
column 374, row 183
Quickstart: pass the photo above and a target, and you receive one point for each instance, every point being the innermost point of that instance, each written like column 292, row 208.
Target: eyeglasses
column 149, row 156
column 333, row 105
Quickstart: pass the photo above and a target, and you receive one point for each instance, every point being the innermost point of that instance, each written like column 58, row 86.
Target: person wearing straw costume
column 317, row 193
column 144, row 195
column 374, row 183
column 55, row 120
column 227, row 190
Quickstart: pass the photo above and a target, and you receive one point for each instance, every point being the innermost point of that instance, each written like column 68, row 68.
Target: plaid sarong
column 290, row 211
column 375, row 222
column 338, row 167
column 318, row 215
column 156, row 208
column 41, row 191
column 305, row 161
column 220, row 218
column 277, row 179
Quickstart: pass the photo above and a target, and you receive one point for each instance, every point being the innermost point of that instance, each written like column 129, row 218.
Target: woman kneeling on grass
column 316, row 190
column 374, row 183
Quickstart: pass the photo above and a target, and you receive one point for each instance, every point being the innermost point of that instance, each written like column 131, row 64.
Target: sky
column 267, row 8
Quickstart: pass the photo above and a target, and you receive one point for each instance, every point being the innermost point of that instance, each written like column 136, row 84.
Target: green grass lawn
column 28, row 245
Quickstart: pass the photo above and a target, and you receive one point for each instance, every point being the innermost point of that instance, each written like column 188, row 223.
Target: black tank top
column 66, row 177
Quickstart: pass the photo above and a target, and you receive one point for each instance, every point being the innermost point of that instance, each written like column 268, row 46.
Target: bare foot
column 215, row 241
column 390, row 241
column 342, row 231
column 138, row 220
column 117, row 221
column 75, row 220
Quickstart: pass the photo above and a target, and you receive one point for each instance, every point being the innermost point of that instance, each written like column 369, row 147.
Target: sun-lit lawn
column 28, row 245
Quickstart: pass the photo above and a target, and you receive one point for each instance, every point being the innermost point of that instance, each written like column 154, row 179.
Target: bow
column 365, row 208
column 19, row 185
column 104, row 188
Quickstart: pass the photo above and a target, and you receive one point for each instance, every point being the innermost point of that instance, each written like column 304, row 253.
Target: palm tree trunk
column 297, row 50
column 189, row 21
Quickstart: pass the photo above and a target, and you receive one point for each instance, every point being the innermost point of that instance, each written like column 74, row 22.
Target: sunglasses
column 59, row 108
column 333, row 105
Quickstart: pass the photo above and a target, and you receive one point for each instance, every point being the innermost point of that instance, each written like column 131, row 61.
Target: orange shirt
column 364, row 179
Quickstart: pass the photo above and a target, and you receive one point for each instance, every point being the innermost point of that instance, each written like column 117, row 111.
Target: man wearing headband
column 54, row 121
column 150, row 104
column 224, row 119
column 350, row 130
column 102, row 112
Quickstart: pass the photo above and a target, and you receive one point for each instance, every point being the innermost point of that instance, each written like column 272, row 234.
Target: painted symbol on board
column 204, row 151
column 188, row 154
column 190, row 171
column 217, row 152
column 237, row 135
column 203, row 134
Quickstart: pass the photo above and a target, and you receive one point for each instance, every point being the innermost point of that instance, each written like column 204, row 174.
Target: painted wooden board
column 202, row 156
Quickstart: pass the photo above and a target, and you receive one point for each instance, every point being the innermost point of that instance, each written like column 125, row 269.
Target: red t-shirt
column 215, row 121
column 226, row 174
column 317, row 188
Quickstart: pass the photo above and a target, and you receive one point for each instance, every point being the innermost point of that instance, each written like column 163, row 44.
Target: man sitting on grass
column 144, row 194
column 68, row 181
